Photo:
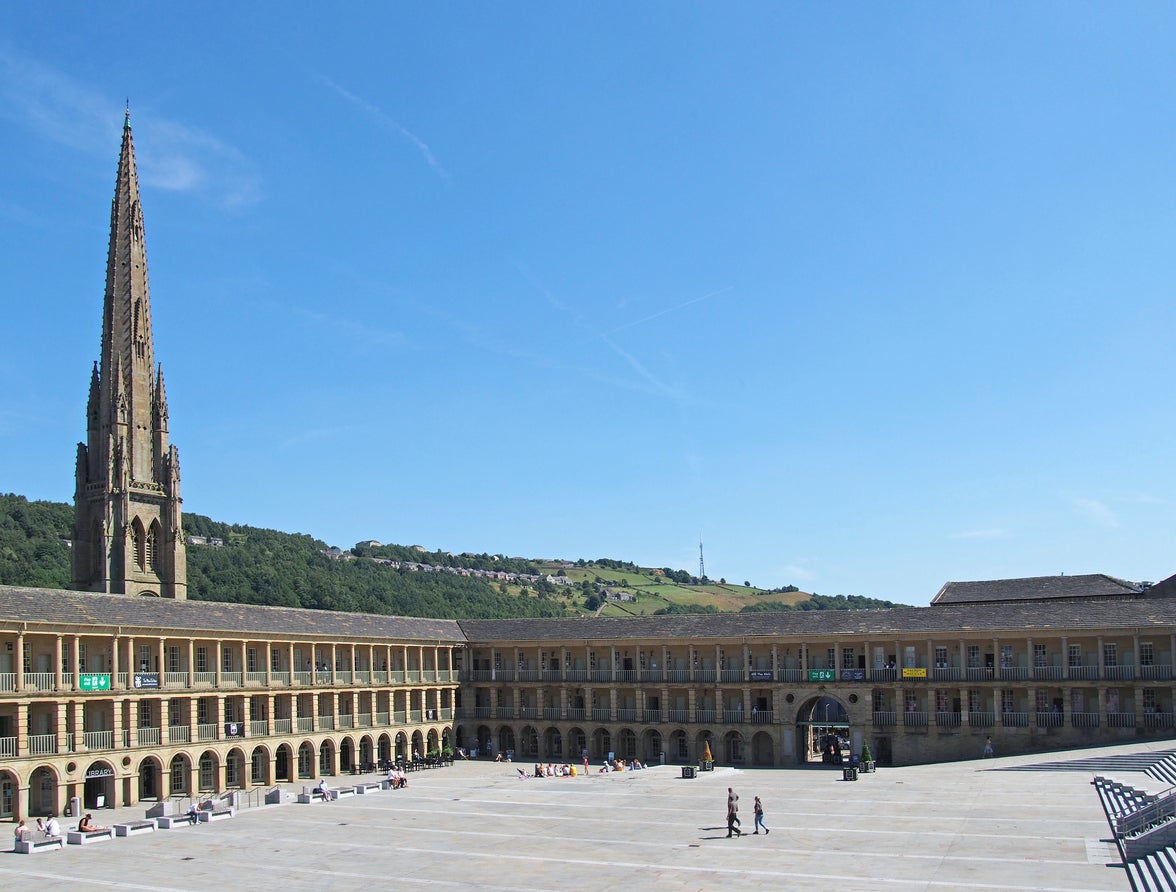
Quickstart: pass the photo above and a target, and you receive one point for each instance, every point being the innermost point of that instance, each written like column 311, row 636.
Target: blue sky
column 869, row 296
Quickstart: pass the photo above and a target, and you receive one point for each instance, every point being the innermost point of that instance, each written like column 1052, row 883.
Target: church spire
column 127, row 532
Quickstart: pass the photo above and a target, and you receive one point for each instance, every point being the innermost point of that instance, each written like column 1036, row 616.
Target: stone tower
column 127, row 535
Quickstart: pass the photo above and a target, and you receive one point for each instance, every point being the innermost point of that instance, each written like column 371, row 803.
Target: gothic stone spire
column 127, row 533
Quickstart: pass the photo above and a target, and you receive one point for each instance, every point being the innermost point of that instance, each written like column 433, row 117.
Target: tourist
column 41, row 826
column 193, row 814
column 988, row 752
column 733, row 807
column 87, row 825
column 759, row 818
column 19, row 832
column 322, row 788
column 52, row 828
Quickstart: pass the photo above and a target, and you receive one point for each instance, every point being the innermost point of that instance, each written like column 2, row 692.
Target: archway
column 679, row 747
column 626, row 744
column 733, row 753
column 209, row 771
column 431, row 746
column 346, row 755
column 99, row 788
column 601, row 743
column 401, row 746
column 284, row 763
column 482, row 742
column 8, row 795
column 326, row 758
column 762, row 750
column 577, row 744
column 366, row 760
column 235, row 769
column 506, row 739
column 150, row 779
column 528, row 743
column 384, row 750
column 418, row 744
column 178, row 772
column 553, row 743
column 652, row 746
column 43, row 792
column 306, row 760
column 822, row 731
column 259, row 766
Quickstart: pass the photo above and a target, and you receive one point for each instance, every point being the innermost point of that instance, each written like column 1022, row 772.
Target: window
column 974, row 701
column 1077, row 701
column 908, row 657
column 1007, row 700
column 942, row 700
column 879, row 701
column 179, row 775
column 1007, row 661
column 910, row 701
column 144, row 657
column 251, row 659
column 1147, row 656
column 144, row 713
column 1041, row 699
column 831, row 658
column 226, row 659
column 1112, row 700
column 1110, row 654
column 941, row 658
column 848, row 658
column 973, row 656
column 275, row 660
column 82, row 656
column 1149, row 700
column 173, row 712
column 202, row 659
column 1074, row 657
column 1039, row 656
column 202, row 711
column 173, row 659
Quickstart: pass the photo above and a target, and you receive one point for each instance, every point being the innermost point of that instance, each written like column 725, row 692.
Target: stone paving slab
column 964, row 825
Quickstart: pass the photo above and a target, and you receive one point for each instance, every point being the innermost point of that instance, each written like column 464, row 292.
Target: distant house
column 369, row 543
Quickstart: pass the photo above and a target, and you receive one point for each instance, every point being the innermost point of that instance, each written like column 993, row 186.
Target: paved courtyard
column 965, row 825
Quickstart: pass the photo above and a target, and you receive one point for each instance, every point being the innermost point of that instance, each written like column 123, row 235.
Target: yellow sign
column 914, row 673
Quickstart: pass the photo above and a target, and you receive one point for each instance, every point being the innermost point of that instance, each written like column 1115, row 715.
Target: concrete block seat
column 134, row 828
column 361, row 789
column 174, row 822
column 316, row 795
column 206, row 816
column 85, row 837
column 34, row 845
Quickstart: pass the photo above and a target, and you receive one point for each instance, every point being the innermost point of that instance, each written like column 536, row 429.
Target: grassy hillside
column 257, row 566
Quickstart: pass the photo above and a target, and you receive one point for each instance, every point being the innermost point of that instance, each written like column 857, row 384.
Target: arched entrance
column 99, row 789
column 150, row 779
column 43, row 792
column 346, row 755
column 822, row 732
column 8, row 788
column 259, row 766
column 284, row 763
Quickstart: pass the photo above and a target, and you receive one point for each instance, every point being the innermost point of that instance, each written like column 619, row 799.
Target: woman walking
column 759, row 818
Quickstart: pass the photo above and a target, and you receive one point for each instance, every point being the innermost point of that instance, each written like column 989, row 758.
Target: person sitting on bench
column 87, row 825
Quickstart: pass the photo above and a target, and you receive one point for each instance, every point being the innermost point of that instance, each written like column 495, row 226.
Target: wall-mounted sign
column 761, row 674
column 99, row 772
column 914, row 673
column 94, row 682
column 822, row 675
column 853, row 674
column 146, row 680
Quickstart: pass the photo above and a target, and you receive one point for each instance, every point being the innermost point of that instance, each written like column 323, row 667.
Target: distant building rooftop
column 1038, row 588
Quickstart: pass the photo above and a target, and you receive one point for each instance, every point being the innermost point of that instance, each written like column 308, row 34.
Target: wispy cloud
column 992, row 533
column 175, row 158
column 389, row 123
column 1095, row 511
column 672, row 309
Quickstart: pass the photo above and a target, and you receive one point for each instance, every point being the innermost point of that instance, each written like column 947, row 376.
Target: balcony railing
column 1014, row 719
column 1014, row 673
column 400, row 716
column 1050, row 719
column 40, row 681
column 626, row 715
column 363, row 720
column 1084, row 719
column 346, row 721
column 1119, row 673
column 303, row 678
column 601, row 715
column 761, row 716
column 179, row 734
column 733, row 716
column 175, row 679
column 258, row 728
column 98, row 740
column 204, row 679
column 230, row 679
column 1120, row 720
column 280, row 678
column 651, row 716
column 551, row 712
column 1158, row 673
column 948, row 673
column 7, row 747
column 150, row 737
column 883, row 719
column 1157, row 720
column 326, row 723
column 678, row 675
column 1047, row 673
column 207, row 732
column 732, row 675
column 679, row 715
column 283, row 726
column 382, row 719
column 705, row 676
column 304, row 723
column 877, row 674
column 706, row 716
column 255, row 678
column 42, row 744
column 577, row 715
column 914, row 719
column 947, row 719
column 981, row 719
column 1085, row 672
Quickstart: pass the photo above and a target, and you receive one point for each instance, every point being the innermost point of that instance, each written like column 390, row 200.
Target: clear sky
column 869, row 296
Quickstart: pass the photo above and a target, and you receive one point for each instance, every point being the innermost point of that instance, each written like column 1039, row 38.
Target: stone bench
column 361, row 789
column 85, row 837
column 206, row 816
column 173, row 822
column 134, row 828
column 31, row 846
column 316, row 795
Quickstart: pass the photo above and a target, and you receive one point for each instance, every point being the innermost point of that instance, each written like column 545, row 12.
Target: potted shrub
column 867, row 758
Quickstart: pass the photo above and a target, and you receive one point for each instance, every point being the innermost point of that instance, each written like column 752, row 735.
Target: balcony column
column 1135, row 653
column 691, row 704
column 162, row 666
column 421, row 663
column 19, row 668
column 1101, row 665
column 802, row 652
column 245, row 664
column 996, row 658
column 1065, row 659
column 164, row 721
column 746, row 662
column 193, row 717
column 191, row 663
column 964, row 721
column 775, row 662
column 114, row 664
column 76, row 658
column 57, row 659
column 334, row 664
column 692, row 665
column 22, row 734
column 218, row 654
column 132, row 665
column 612, row 704
column 116, row 717
column 612, row 662
column 404, row 659
column 720, row 663
column 930, row 658
column 963, row 658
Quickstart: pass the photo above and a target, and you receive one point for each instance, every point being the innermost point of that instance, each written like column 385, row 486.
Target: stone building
column 118, row 698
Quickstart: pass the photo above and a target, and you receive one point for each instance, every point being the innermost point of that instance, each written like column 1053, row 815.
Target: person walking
column 759, row 818
column 988, row 748
column 733, row 813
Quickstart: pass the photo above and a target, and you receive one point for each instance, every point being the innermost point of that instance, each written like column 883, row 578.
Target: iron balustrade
column 258, row 728
column 1084, row 719
column 1014, row 719
column 947, row 719
column 42, row 744
column 1050, row 719
column 283, row 726
column 204, row 679
column 150, row 736
column 304, row 723
column 1014, row 673
column 1120, row 720
column 600, row 715
column 7, row 747
column 254, row 679
column 705, row 716
column 914, row 719
column 981, row 719
column 364, row 720
column 280, row 678
column 1157, row 673
column 884, row 719
column 207, row 732
column 1048, row 673
column 1119, row 673
column 98, row 740
column 231, row 679
column 179, row 734
column 626, row 715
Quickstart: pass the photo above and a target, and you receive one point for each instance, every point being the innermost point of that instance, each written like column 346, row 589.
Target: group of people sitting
column 47, row 828
column 620, row 765
column 396, row 778
column 549, row 770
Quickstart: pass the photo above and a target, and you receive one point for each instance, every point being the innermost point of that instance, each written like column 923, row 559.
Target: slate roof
column 1020, row 618
column 134, row 615
column 1033, row 588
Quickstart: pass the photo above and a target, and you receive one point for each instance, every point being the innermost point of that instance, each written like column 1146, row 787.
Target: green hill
column 234, row 563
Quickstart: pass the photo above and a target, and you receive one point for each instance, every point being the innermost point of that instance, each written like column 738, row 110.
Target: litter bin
column 688, row 771
column 849, row 774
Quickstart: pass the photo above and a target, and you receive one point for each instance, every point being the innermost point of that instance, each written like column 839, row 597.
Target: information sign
column 93, row 682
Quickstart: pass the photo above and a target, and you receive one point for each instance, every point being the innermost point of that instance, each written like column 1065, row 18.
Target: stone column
column 191, row 663
column 58, row 654
column 114, row 664
column 19, row 668
column 75, row 664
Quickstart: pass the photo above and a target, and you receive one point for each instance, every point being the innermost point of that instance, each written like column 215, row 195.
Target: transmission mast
column 701, row 564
